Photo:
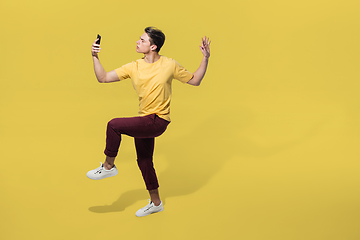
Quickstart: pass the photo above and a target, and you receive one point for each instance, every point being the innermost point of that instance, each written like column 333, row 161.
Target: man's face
column 143, row 44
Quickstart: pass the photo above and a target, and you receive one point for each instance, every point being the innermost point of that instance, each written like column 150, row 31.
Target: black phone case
column 99, row 39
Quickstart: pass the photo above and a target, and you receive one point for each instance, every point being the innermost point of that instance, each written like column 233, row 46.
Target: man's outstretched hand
column 205, row 46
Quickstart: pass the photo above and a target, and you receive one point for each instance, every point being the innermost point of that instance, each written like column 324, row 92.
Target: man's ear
column 153, row 47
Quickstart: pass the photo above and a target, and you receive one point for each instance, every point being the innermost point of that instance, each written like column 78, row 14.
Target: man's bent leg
column 113, row 137
column 109, row 162
column 138, row 127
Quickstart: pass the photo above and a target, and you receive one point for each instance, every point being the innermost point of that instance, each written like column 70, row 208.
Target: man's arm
column 101, row 75
column 200, row 72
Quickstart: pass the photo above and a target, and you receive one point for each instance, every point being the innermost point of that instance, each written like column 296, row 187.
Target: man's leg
column 144, row 151
column 113, row 139
column 155, row 197
column 116, row 127
column 109, row 162
column 137, row 126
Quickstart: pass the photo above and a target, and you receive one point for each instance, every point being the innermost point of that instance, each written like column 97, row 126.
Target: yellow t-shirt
column 152, row 82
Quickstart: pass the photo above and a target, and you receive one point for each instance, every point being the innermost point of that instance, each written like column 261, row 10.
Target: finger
column 96, row 40
column 206, row 39
column 208, row 46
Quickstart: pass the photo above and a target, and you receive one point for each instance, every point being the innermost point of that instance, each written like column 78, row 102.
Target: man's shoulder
column 167, row 59
column 132, row 63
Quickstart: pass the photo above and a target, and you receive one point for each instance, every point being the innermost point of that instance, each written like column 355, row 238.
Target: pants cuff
column 110, row 153
column 152, row 186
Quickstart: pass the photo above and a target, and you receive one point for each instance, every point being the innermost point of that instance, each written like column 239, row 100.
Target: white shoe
column 149, row 209
column 101, row 172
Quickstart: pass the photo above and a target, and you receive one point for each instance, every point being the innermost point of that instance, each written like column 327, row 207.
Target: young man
column 151, row 76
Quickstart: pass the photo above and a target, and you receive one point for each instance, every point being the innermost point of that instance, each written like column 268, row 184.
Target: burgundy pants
column 144, row 130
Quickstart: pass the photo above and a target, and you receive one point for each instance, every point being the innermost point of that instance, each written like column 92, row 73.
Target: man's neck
column 151, row 57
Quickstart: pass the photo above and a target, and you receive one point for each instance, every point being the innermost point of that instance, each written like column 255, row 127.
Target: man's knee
column 115, row 125
column 112, row 123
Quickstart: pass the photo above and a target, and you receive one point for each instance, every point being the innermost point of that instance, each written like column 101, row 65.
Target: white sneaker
column 149, row 209
column 101, row 172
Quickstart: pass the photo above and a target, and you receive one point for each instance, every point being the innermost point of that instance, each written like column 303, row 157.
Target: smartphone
column 99, row 38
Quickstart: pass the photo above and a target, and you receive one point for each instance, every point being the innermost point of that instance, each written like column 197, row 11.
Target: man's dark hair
column 157, row 37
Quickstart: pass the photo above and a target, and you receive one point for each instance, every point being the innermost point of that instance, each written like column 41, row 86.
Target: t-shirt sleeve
column 124, row 71
column 181, row 74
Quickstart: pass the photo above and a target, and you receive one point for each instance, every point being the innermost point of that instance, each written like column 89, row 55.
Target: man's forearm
column 200, row 72
column 99, row 70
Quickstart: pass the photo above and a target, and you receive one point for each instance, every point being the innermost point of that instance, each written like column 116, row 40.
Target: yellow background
column 266, row 148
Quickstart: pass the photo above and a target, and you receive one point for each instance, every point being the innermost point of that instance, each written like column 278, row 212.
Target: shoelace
column 99, row 170
column 147, row 207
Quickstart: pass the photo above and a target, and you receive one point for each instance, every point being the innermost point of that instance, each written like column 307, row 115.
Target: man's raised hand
column 205, row 46
column 95, row 48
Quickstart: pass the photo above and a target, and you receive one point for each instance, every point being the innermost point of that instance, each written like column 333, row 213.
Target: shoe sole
column 109, row 175
column 150, row 213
